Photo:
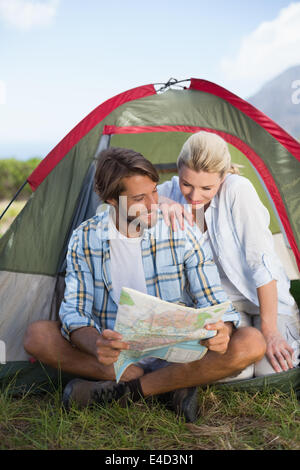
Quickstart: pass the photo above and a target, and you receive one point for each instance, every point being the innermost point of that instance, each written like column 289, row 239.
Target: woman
column 231, row 216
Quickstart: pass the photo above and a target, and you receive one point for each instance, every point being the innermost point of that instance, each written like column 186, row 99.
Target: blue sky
column 61, row 58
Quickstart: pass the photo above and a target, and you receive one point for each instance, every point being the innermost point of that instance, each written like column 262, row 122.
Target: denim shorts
column 150, row 364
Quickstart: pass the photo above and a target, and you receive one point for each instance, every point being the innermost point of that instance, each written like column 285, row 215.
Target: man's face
column 138, row 202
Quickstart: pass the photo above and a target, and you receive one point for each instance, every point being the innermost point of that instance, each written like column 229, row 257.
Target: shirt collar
column 104, row 230
column 150, row 232
column 213, row 202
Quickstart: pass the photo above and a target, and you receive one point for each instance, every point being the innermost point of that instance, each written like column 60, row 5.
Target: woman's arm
column 251, row 222
column 279, row 352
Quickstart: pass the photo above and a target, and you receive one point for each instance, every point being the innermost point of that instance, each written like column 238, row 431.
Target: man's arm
column 105, row 346
column 76, row 308
column 85, row 339
column 78, row 325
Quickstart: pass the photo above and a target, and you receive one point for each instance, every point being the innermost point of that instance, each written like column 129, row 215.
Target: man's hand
column 219, row 342
column 108, row 347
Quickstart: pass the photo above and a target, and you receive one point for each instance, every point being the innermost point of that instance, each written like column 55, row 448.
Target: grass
column 10, row 215
column 227, row 421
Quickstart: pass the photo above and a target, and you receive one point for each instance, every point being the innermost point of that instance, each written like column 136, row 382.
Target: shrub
column 13, row 173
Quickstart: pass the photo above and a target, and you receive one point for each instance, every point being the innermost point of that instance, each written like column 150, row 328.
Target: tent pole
column 15, row 196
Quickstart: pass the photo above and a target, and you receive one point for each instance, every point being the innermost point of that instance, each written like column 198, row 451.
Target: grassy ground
column 227, row 421
column 10, row 215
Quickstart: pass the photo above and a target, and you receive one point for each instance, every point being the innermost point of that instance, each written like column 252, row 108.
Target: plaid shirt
column 177, row 266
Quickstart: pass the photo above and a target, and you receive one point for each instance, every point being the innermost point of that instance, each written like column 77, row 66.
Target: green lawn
column 227, row 420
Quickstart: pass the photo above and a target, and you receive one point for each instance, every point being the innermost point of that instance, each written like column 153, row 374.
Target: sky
column 59, row 59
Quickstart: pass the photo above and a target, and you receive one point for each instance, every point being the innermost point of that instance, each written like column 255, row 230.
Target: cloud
column 27, row 14
column 269, row 50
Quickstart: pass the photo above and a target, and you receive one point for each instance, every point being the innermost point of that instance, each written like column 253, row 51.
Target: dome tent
column 154, row 122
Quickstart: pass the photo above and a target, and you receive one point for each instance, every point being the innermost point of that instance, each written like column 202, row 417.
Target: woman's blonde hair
column 205, row 151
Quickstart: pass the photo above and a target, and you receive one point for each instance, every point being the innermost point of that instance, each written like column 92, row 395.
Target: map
column 155, row 328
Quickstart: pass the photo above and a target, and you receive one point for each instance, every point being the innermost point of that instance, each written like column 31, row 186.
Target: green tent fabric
column 156, row 123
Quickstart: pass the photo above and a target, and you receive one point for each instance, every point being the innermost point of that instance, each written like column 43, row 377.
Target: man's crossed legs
column 43, row 340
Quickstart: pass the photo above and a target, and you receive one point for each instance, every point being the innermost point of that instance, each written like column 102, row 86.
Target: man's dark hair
column 116, row 163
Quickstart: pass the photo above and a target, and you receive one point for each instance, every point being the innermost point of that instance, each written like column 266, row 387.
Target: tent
column 154, row 120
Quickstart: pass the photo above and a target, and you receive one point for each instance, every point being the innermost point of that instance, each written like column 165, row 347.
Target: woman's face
column 200, row 187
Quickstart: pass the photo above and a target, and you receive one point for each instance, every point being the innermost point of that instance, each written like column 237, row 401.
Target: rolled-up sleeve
column 204, row 285
column 76, row 308
column 251, row 219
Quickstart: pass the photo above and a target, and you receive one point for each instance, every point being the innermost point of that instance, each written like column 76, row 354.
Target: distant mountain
column 275, row 100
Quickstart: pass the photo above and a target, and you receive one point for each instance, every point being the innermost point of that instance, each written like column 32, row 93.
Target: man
column 130, row 245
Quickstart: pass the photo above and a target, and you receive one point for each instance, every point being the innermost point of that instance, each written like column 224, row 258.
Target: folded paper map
column 155, row 328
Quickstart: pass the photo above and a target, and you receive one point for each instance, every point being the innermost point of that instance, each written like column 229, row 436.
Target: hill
column 275, row 100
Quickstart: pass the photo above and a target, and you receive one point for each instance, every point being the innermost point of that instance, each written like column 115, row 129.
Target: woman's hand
column 173, row 211
column 279, row 352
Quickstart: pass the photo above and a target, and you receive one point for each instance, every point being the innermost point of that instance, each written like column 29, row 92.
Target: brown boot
column 85, row 393
column 184, row 402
